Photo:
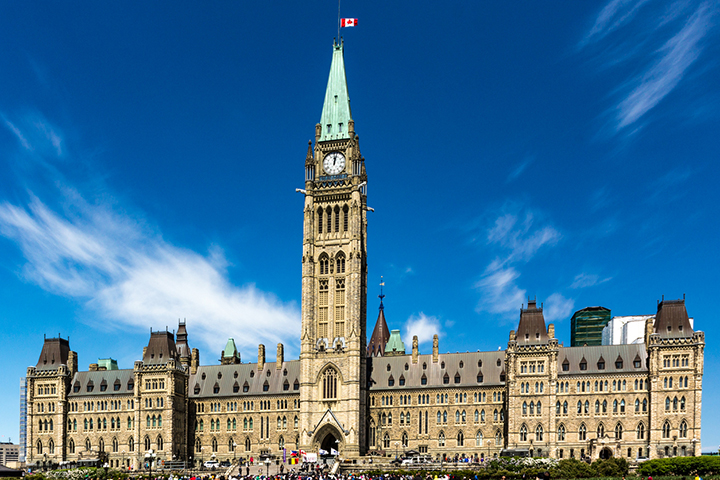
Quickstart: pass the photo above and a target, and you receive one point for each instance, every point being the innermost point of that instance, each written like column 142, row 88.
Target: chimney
column 261, row 357
column 72, row 363
column 280, row 356
column 551, row 330
column 436, row 348
column 93, row 367
column 415, row 352
column 194, row 361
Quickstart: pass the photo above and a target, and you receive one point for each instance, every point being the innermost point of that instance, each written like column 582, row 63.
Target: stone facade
column 639, row 400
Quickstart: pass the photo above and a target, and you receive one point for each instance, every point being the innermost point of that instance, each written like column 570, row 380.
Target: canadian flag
column 348, row 22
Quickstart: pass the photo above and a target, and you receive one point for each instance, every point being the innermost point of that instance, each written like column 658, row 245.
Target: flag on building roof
column 349, row 22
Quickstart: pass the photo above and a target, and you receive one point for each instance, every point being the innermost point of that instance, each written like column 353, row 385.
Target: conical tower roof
column 380, row 335
column 336, row 115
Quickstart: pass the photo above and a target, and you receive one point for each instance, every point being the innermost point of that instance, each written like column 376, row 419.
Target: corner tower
column 334, row 278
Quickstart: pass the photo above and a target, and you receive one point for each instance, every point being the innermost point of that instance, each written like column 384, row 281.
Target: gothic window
column 600, row 430
column 618, row 432
column 666, row 430
column 622, row 406
column 345, row 218
column 582, row 432
column 482, row 415
column 324, row 264
column 683, row 429
column 247, row 444
column 460, row 439
column 637, row 405
column 644, row 408
column 667, row 403
column 340, row 264
column 682, row 404
column 329, row 383
column 328, row 213
column 523, row 433
column 615, row 406
column 561, row 433
column 478, row 439
column 446, row 379
column 457, row 378
column 640, row 431
column 441, row 440
column 386, row 441
column 675, row 403
column 147, row 443
column 539, row 433
column 337, row 219
column 604, row 406
column 320, row 220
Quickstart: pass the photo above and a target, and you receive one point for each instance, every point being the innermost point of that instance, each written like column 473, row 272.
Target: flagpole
column 338, row 21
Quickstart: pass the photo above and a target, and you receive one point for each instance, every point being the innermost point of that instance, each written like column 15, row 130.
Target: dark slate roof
column 182, row 346
column 531, row 329
column 609, row 353
column 380, row 335
column 468, row 373
column 671, row 315
column 54, row 353
column 240, row 373
column 100, row 377
column 160, row 349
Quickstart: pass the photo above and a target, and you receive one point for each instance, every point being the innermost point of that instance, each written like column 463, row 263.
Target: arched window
column 214, row 445
column 247, row 444
column 340, row 263
column 330, row 383
column 604, row 406
column 441, row 440
column 324, row 265
column 115, row 445
column 600, row 430
column 457, row 416
column 539, row 408
column 71, row 446
column 637, row 405
column 523, row 433
column 644, row 409
column 87, row 445
column 622, row 406
column 565, row 407
column 615, row 406
column 386, row 441
column 582, row 432
column 460, row 439
column 640, row 431
column 39, row 447
column 131, row 444
column 444, row 416
column 675, row 407
column 682, row 404
column 524, row 408
column 683, row 429
column 147, row 443
column 539, row 433
column 345, row 218
column 561, row 433
column 618, row 432
column 666, row 430
column 478, row 439
column 667, row 403
column 482, row 415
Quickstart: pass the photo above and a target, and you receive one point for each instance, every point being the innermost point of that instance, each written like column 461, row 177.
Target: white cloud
column 557, row 307
column 613, row 15
column 585, row 280
column 519, row 239
column 423, row 326
column 136, row 278
column 675, row 57
column 36, row 134
column 499, row 292
column 517, row 171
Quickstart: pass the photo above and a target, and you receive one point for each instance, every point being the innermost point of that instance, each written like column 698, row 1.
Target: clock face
column 334, row 163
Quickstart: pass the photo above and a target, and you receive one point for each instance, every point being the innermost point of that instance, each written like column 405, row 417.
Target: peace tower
column 334, row 278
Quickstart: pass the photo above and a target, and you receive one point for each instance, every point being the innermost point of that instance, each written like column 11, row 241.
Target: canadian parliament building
column 361, row 397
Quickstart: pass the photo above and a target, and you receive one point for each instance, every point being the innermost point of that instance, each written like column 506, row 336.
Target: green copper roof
column 395, row 343
column 336, row 109
column 230, row 349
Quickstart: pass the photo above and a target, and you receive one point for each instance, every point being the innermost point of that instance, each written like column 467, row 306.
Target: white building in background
column 623, row 330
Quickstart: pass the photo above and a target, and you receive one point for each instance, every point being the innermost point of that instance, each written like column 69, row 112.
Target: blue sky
column 149, row 153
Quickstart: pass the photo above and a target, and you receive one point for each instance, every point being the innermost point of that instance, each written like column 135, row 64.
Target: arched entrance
column 329, row 443
column 328, row 438
column 605, row 453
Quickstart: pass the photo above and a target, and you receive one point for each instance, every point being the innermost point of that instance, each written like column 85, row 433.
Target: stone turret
column 230, row 355
column 436, row 348
column 194, row 361
column 415, row 352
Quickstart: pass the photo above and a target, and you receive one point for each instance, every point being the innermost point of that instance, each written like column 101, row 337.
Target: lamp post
column 150, row 457
column 397, row 444
column 267, row 467
column 489, row 442
column 234, row 451
column 694, row 442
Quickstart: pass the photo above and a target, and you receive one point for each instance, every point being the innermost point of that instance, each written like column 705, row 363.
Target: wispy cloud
column 424, row 326
column 124, row 271
column 557, row 307
column 585, row 280
column 518, row 237
column 18, row 134
column 519, row 169
column 36, row 134
column 675, row 57
column 668, row 188
column 663, row 43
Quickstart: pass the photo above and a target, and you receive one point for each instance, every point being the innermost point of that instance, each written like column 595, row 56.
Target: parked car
column 225, row 463
column 212, row 464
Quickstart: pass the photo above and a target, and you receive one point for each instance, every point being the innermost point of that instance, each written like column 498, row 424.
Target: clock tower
column 334, row 279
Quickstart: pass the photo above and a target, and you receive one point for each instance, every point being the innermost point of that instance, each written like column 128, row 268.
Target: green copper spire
column 230, row 349
column 336, row 114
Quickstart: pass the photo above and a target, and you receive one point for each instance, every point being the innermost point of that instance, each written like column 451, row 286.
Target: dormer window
column 296, row 385
column 566, row 366
column 499, row 362
column 329, row 128
column 480, row 377
column 391, row 381
column 423, row 380
column 197, row 389
column 442, row 365
column 401, row 382
column 216, row 388
column 457, row 378
column 246, row 387
column 340, row 127
column 537, row 336
column 203, row 376
column 268, row 373
column 406, row 367
column 527, row 336
column 266, row 386
column 252, row 373
column 286, row 386
column 285, row 372
column 424, row 366
column 583, row 365
column 619, row 364
column 446, row 379
column 601, row 365
column 235, row 375
column 636, row 364
column 388, row 367
column 479, row 363
column 680, row 327
column 236, row 388
column 461, row 364
column 219, row 375
column 669, row 328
